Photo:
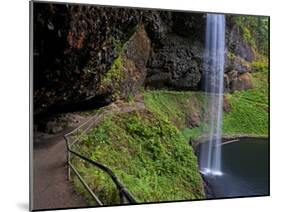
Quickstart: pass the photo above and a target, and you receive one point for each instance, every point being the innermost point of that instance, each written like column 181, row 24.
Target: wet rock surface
column 74, row 45
column 77, row 46
column 177, row 63
column 237, row 45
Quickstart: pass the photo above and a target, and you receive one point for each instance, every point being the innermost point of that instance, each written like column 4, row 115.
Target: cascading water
column 210, row 155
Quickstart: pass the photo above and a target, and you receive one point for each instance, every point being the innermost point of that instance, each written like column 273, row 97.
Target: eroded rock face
column 74, row 46
column 190, row 25
column 128, row 71
column 238, row 58
column 175, row 64
column 238, row 64
column 157, row 24
column 91, row 55
column 176, row 60
column 237, row 45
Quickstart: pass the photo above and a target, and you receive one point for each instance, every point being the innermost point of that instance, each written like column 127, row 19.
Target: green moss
column 230, row 55
column 114, row 75
column 254, row 30
column 259, row 65
column 99, row 181
column 249, row 113
column 248, row 37
column 119, row 46
column 174, row 105
column 129, row 98
column 148, row 149
column 245, row 28
column 148, row 153
column 193, row 133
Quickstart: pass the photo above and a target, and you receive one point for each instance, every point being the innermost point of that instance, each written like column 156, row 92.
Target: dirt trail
column 51, row 187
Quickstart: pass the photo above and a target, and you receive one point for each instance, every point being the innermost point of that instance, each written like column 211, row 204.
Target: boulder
column 237, row 63
column 241, row 82
column 193, row 120
column 128, row 71
column 234, row 81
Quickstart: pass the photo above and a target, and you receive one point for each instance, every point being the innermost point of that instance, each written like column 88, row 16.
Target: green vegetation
column 230, row 55
column 100, row 182
column 148, row 149
column 114, row 75
column 193, row 133
column 147, row 152
column 249, row 113
column 119, row 46
column 177, row 107
column 254, row 30
column 260, row 66
column 174, row 105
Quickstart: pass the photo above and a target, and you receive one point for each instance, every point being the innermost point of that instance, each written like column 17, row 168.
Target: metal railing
column 125, row 195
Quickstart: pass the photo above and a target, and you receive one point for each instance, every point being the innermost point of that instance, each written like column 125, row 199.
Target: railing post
column 122, row 197
column 68, row 166
column 68, row 158
column 125, row 195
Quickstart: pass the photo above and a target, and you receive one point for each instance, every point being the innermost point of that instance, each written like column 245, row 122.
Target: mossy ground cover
column 114, row 75
column 147, row 152
column 174, row 105
column 248, row 115
column 250, row 109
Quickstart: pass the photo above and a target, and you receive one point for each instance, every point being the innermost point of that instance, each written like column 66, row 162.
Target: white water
column 210, row 155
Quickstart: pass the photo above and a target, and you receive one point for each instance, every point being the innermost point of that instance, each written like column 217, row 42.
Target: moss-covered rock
column 92, row 55
column 74, row 45
column 113, row 76
column 128, row 70
column 260, row 65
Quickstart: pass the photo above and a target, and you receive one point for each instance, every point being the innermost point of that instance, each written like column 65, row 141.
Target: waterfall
column 210, row 155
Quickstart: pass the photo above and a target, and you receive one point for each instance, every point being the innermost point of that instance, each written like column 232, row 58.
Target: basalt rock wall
column 88, row 56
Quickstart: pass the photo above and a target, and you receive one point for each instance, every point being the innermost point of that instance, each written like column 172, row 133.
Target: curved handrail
column 123, row 191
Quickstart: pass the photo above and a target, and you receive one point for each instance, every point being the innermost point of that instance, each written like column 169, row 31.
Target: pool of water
column 245, row 169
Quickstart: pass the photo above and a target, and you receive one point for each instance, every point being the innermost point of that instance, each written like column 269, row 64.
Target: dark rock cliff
column 74, row 46
column 177, row 54
column 88, row 56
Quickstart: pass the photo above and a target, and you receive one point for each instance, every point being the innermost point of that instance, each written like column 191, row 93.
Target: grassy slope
column 176, row 106
column 147, row 152
column 248, row 116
